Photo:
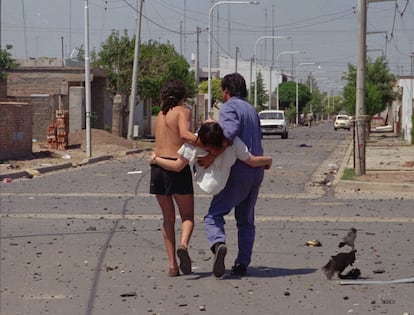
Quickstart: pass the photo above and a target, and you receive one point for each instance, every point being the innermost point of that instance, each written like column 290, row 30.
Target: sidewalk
column 59, row 162
column 389, row 167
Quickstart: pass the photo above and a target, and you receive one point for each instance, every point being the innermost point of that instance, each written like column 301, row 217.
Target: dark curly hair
column 211, row 134
column 172, row 92
column 235, row 84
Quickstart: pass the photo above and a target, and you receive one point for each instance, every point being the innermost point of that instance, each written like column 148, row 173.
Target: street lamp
column 297, row 88
column 255, row 62
column 278, row 68
column 209, row 42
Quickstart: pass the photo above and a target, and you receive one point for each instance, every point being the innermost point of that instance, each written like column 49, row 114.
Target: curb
column 379, row 187
column 57, row 167
column 366, row 186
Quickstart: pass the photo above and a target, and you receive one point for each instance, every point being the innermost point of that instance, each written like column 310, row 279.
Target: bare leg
column 168, row 231
column 185, row 205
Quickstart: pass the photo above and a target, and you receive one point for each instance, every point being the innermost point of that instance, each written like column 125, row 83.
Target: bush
column 348, row 174
column 155, row 110
column 412, row 129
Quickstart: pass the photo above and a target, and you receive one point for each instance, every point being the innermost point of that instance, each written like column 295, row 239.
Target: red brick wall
column 15, row 130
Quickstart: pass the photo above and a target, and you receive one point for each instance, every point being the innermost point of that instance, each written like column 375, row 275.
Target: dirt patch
column 102, row 143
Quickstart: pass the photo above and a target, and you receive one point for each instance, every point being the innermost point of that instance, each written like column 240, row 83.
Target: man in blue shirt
column 237, row 118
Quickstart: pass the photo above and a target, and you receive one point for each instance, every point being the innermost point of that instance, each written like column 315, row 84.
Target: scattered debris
column 7, row 180
column 109, row 268
column 313, row 243
column 378, row 271
column 129, row 294
column 364, row 281
column 304, row 145
column 134, row 172
column 32, row 173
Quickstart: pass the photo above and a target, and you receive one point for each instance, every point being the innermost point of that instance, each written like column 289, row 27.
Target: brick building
column 47, row 85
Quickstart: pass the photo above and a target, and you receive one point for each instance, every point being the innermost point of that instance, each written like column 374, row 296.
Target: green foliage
column 290, row 113
column 287, row 95
column 315, row 104
column 216, row 92
column 157, row 63
column 6, row 62
column 262, row 97
column 348, row 174
column 155, row 110
column 378, row 87
column 412, row 129
column 116, row 56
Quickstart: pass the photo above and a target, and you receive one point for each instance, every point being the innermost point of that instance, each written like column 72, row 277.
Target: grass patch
column 348, row 174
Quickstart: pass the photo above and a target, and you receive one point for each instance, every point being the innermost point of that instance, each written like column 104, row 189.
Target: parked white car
column 342, row 122
column 273, row 122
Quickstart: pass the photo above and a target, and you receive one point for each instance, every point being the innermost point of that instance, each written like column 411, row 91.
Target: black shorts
column 165, row 182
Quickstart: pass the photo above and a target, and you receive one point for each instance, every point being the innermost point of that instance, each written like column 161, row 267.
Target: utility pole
column 196, row 73
column 87, row 84
column 359, row 143
column 133, row 96
column 0, row 24
column 236, row 60
column 360, row 109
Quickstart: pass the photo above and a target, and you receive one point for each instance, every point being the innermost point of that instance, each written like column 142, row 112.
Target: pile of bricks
column 51, row 137
column 58, row 133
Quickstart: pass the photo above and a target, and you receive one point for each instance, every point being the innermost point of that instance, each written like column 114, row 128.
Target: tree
column 157, row 63
column 116, row 56
column 261, row 92
column 378, row 87
column 6, row 62
column 287, row 95
column 216, row 92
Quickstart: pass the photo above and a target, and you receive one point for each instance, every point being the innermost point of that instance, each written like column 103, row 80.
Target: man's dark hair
column 172, row 92
column 235, row 84
column 211, row 134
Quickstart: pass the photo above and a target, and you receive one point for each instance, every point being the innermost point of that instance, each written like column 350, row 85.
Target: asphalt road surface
column 88, row 241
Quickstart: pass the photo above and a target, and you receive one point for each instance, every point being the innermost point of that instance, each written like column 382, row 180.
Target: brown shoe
column 185, row 260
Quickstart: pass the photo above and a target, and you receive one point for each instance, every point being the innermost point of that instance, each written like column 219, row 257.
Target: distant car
column 342, row 122
column 273, row 122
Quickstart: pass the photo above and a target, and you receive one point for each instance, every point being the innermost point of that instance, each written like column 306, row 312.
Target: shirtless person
column 171, row 131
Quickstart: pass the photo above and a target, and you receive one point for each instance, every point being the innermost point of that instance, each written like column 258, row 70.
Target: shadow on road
column 272, row 272
column 259, row 272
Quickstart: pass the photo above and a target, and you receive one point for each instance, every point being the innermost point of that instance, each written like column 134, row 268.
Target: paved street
column 88, row 241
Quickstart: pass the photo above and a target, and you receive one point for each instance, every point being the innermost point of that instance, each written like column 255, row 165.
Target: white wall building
column 407, row 88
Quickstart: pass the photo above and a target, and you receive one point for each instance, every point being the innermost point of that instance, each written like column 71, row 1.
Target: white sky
column 325, row 29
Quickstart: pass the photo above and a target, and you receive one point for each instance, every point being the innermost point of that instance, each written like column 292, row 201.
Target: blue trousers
column 240, row 193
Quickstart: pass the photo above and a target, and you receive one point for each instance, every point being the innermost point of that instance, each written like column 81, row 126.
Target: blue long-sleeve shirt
column 238, row 118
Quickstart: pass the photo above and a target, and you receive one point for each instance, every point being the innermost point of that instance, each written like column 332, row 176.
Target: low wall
column 15, row 130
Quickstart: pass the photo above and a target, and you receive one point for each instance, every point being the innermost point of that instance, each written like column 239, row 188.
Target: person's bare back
column 172, row 130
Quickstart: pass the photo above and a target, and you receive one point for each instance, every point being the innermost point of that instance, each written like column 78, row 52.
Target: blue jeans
column 240, row 193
